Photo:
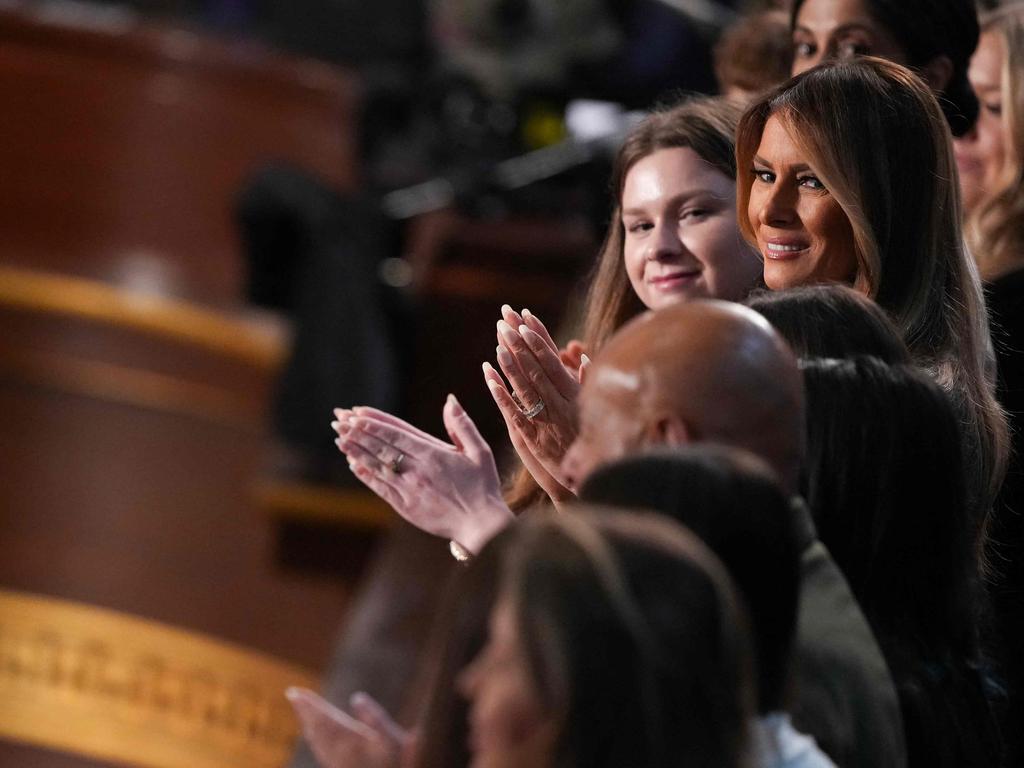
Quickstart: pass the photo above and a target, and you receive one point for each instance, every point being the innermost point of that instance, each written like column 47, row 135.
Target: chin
column 781, row 280
column 679, row 297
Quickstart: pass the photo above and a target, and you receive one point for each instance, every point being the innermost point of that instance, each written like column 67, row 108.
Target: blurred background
column 218, row 220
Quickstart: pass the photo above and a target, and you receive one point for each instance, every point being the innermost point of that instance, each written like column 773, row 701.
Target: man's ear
column 669, row 430
column 938, row 72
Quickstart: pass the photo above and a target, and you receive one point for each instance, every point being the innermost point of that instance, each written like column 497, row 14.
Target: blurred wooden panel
column 123, row 147
column 131, row 460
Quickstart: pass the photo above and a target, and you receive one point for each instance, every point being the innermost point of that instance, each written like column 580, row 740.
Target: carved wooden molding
column 107, row 685
column 129, row 386
column 164, row 317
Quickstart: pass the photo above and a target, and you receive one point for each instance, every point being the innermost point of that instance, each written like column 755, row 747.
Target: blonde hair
column 995, row 229
column 707, row 126
column 876, row 137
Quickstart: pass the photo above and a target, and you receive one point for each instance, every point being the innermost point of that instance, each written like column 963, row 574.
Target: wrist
column 487, row 522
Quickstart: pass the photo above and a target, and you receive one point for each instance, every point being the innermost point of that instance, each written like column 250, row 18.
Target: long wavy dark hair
column 884, row 477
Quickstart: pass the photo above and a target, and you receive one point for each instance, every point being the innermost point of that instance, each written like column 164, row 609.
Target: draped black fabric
column 1006, row 535
column 314, row 254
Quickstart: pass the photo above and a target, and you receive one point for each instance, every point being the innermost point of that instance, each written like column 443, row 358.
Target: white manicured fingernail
column 506, row 330
column 526, row 312
column 584, row 360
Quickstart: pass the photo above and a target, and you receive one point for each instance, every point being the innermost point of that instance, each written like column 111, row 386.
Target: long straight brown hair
column 707, row 125
column 876, row 137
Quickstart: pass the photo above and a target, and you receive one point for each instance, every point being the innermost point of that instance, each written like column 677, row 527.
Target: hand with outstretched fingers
column 573, row 355
column 368, row 738
column 540, row 408
column 451, row 490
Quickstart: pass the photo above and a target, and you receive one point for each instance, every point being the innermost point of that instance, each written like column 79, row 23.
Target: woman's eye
column 803, row 50
column 811, row 182
column 693, row 213
column 850, row 48
column 994, row 109
column 639, row 226
column 766, row 176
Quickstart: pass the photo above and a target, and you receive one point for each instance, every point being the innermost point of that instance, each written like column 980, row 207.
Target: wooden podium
column 144, row 619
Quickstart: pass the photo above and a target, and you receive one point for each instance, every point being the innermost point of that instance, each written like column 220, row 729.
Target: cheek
column 994, row 151
column 507, row 716
column 753, row 209
column 633, row 261
column 731, row 266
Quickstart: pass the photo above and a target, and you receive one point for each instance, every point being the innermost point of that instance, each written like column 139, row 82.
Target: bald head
column 700, row 371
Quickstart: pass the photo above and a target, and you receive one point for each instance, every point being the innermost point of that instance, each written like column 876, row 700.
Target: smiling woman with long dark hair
column 850, row 177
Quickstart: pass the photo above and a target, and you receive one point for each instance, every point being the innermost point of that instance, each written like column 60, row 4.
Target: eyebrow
column 681, row 197
column 980, row 85
column 861, row 26
column 798, row 168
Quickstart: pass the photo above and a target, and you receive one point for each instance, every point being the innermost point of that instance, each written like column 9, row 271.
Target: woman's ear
column 938, row 72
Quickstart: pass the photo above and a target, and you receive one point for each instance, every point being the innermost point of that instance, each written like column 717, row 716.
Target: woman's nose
column 777, row 208
column 665, row 243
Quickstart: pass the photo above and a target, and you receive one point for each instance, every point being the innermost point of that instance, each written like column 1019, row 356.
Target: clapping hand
column 368, row 738
column 540, row 408
column 451, row 490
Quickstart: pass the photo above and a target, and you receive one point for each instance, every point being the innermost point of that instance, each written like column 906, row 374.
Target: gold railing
column 106, row 685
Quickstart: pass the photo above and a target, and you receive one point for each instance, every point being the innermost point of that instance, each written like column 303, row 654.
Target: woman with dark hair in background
column 935, row 38
column 831, row 321
column 885, row 482
column 852, row 180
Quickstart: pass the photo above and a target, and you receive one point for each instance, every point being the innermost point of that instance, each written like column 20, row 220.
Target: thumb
column 321, row 720
column 369, row 712
column 584, row 367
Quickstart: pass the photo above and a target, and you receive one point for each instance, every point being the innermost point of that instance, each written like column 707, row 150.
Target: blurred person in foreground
column 581, row 641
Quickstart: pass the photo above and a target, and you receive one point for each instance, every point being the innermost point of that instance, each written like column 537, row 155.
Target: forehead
column 987, row 63
column 777, row 144
column 823, row 16
column 670, row 172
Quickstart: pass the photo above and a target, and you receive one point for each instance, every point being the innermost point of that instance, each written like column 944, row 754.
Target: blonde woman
column 850, row 177
column 992, row 178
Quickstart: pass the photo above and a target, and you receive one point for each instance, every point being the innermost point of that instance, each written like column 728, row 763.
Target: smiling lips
column 781, row 250
column 674, row 279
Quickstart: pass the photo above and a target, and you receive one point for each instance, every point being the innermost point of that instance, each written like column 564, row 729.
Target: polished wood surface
column 114, row 686
column 124, row 146
column 131, row 482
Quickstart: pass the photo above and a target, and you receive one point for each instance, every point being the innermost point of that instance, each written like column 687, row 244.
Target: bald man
column 702, row 371
column 717, row 372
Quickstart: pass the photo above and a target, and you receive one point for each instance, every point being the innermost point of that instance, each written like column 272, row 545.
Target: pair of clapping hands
column 452, row 489
column 366, row 738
